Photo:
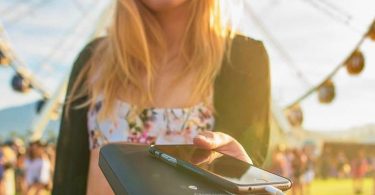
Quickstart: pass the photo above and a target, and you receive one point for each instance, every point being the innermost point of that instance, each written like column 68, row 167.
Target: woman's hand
column 223, row 143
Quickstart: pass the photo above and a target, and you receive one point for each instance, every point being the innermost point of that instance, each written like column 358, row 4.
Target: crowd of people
column 295, row 164
column 302, row 165
column 26, row 169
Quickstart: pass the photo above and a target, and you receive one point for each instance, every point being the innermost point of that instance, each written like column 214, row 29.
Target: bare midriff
column 97, row 183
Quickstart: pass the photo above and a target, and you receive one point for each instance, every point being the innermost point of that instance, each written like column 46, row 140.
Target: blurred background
column 322, row 55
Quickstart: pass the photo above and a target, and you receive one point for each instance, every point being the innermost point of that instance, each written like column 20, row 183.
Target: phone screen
column 227, row 167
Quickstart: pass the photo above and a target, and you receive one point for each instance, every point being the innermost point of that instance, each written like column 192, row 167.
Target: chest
column 170, row 89
column 152, row 126
column 173, row 89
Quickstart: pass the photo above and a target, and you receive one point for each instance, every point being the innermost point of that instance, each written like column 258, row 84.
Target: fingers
column 201, row 156
column 210, row 140
column 221, row 142
column 204, row 156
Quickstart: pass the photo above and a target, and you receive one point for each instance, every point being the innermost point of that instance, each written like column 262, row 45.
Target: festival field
column 338, row 186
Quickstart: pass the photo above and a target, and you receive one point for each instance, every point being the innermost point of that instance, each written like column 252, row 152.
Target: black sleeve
column 242, row 97
column 72, row 152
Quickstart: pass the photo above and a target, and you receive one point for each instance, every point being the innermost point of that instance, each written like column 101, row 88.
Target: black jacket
column 241, row 101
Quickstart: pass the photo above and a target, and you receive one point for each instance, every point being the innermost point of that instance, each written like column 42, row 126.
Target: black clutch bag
column 130, row 169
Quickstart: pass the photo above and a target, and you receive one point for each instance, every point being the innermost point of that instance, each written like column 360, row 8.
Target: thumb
column 211, row 140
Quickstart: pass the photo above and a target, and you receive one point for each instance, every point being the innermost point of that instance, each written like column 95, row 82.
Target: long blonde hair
column 126, row 58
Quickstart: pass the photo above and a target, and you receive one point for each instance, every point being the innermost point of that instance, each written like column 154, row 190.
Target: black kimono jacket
column 241, row 101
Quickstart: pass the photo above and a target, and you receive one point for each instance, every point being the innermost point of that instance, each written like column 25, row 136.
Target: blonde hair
column 134, row 45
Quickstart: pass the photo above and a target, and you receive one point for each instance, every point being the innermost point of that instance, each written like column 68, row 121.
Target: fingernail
column 201, row 137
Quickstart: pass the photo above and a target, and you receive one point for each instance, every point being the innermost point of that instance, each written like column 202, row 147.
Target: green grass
column 339, row 187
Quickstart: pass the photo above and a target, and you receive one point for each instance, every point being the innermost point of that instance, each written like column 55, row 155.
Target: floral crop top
column 152, row 126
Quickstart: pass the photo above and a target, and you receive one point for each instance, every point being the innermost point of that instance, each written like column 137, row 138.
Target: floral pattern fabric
column 152, row 126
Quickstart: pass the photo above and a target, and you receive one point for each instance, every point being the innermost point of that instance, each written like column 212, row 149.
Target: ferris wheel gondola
column 20, row 84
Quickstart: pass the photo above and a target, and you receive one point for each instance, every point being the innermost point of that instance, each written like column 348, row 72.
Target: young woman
column 168, row 72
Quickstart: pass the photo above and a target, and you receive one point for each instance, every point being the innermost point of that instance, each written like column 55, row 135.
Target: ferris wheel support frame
column 40, row 122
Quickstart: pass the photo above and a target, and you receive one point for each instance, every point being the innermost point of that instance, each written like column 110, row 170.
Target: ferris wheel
column 26, row 79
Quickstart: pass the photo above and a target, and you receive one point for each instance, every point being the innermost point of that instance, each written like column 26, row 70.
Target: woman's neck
column 174, row 22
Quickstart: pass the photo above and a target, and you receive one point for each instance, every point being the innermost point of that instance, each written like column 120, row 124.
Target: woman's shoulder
column 85, row 55
column 247, row 41
column 248, row 55
column 89, row 48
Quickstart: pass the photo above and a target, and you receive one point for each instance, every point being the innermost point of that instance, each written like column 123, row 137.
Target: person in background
column 9, row 161
column 372, row 172
column 325, row 163
column 37, row 169
column 297, row 171
column 51, row 154
column 342, row 165
column 18, row 147
column 20, row 173
column 308, row 172
column 1, row 170
column 279, row 161
column 332, row 166
column 289, row 158
column 359, row 170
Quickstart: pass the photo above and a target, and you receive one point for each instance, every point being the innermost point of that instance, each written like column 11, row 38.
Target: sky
column 315, row 35
column 46, row 40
